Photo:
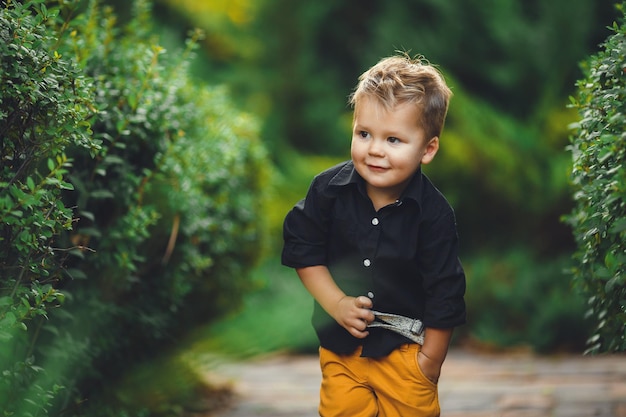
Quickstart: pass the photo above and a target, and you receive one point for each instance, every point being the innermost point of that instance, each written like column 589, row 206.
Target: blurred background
column 213, row 117
column 503, row 161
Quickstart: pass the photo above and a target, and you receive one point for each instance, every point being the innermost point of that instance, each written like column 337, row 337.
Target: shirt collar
column 348, row 175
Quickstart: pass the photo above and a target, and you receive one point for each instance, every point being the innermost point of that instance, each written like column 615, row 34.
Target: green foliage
column 45, row 104
column 490, row 166
column 297, row 72
column 501, row 160
column 217, row 213
column 511, row 44
column 516, row 300
column 122, row 173
column 499, row 145
column 171, row 384
column 170, row 203
column 599, row 175
column 280, row 302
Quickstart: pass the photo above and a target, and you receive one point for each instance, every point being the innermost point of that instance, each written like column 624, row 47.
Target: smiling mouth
column 377, row 168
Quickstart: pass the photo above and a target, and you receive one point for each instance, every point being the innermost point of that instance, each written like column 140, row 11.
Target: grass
column 276, row 317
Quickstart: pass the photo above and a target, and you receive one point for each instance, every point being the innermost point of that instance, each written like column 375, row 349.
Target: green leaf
column 76, row 273
column 101, row 194
column 66, row 186
column 113, row 160
column 8, row 320
column 615, row 282
column 132, row 101
column 610, row 261
column 602, row 273
column 619, row 226
column 605, row 155
column 60, row 297
column 30, row 183
column 88, row 215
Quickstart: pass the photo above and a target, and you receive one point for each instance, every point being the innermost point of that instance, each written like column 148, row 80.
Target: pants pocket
column 420, row 372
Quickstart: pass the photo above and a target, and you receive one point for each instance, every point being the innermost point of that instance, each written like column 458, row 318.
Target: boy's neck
column 383, row 197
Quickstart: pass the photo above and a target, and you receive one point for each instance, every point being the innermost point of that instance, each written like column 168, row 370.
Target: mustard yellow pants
column 391, row 386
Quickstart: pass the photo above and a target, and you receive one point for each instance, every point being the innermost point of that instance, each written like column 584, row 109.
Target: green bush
column 158, row 224
column 491, row 166
column 518, row 300
column 171, row 205
column 599, row 175
column 45, row 102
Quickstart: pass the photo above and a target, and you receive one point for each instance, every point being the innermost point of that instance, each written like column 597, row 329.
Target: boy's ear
column 431, row 150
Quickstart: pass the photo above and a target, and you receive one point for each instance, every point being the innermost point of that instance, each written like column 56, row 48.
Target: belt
column 410, row 328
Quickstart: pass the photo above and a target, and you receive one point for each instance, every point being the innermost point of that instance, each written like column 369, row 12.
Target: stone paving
column 472, row 385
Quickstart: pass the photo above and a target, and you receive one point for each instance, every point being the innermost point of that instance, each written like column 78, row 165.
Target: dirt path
column 472, row 385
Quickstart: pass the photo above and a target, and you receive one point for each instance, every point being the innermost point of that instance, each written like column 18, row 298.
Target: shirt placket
column 369, row 249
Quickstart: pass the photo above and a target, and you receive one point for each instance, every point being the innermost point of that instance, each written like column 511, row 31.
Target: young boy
column 375, row 243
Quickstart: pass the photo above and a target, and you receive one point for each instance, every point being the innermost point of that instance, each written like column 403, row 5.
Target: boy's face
column 388, row 148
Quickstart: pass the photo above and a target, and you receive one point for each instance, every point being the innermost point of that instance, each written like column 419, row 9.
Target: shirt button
column 367, row 262
column 370, row 294
column 375, row 221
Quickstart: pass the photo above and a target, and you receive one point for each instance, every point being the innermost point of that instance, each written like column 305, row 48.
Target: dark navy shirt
column 404, row 256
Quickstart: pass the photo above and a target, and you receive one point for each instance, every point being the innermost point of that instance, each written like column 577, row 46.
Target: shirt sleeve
column 444, row 278
column 305, row 229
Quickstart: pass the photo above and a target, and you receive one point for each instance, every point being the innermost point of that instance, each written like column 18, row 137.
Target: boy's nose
column 375, row 148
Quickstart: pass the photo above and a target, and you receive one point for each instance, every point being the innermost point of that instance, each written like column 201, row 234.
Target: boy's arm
column 434, row 351
column 352, row 313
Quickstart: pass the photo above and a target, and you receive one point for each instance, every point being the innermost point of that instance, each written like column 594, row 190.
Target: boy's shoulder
column 432, row 201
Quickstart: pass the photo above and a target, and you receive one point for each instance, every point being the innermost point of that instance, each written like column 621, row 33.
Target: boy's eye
column 393, row 140
column 363, row 134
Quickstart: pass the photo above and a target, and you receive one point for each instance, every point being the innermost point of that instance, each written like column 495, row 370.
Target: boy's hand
column 354, row 314
column 433, row 353
column 430, row 368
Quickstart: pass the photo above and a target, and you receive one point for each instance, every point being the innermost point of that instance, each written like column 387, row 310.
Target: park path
column 472, row 385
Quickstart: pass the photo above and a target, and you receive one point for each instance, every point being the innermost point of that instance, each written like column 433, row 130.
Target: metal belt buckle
column 412, row 329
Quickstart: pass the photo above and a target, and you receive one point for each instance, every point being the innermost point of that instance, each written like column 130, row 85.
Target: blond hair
column 401, row 79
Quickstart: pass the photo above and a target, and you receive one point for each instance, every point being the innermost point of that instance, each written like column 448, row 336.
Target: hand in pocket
column 430, row 368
